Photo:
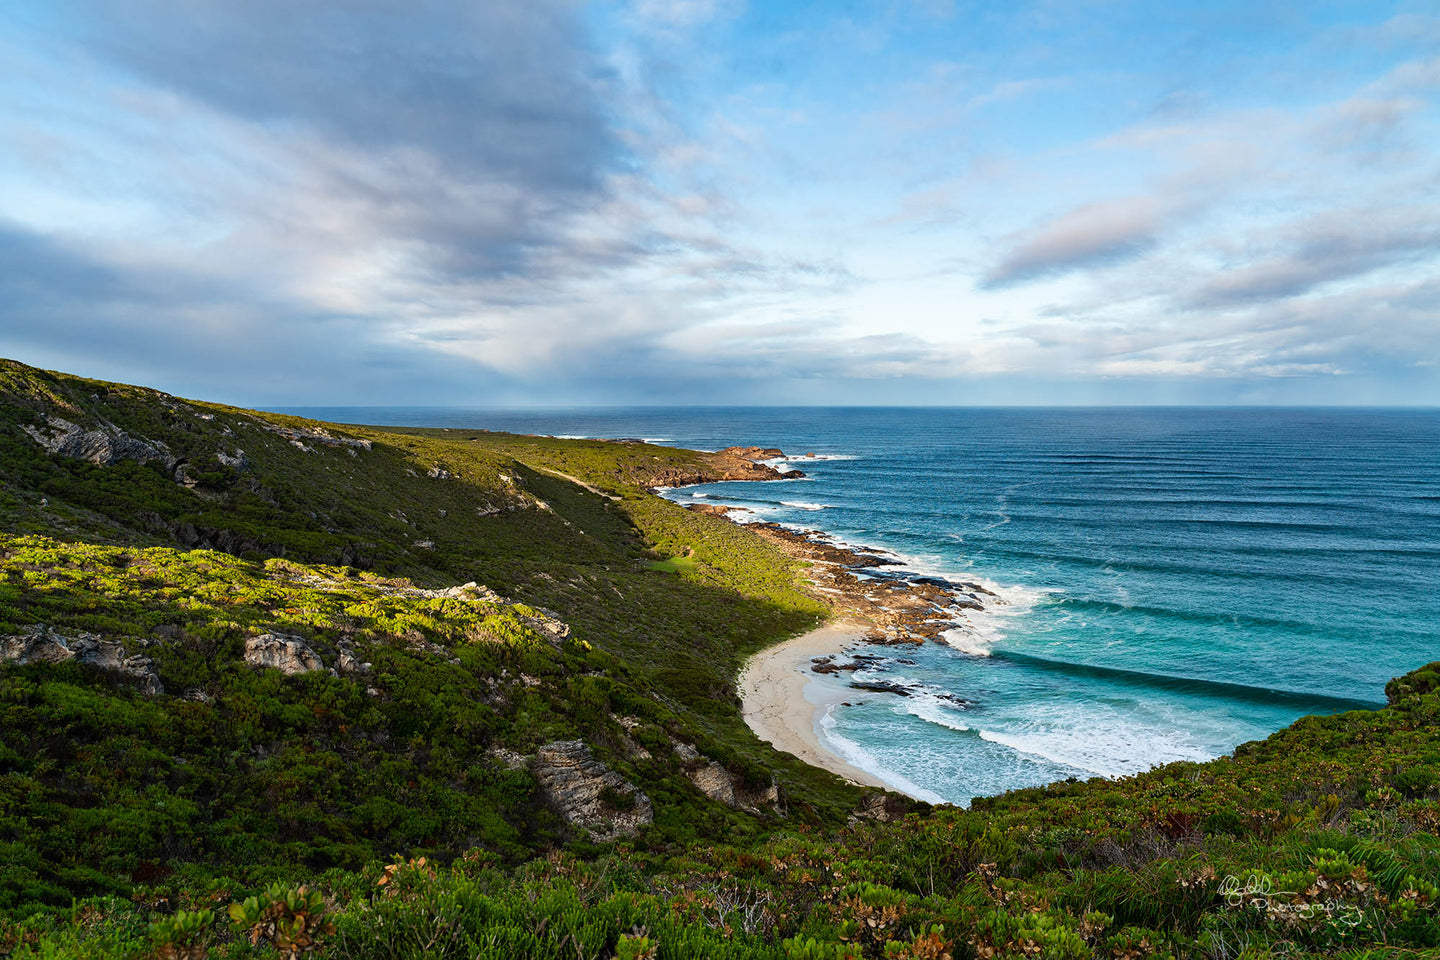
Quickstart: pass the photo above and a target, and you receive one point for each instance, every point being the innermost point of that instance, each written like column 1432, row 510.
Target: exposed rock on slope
column 288, row 654
column 589, row 794
column 717, row 783
column 104, row 446
column 40, row 644
column 299, row 437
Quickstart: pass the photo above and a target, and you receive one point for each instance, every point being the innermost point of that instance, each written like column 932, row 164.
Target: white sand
column 772, row 690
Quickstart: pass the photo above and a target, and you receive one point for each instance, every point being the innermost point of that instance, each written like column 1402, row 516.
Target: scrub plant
column 292, row 919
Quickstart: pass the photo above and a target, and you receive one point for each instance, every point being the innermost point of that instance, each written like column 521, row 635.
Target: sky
column 292, row 202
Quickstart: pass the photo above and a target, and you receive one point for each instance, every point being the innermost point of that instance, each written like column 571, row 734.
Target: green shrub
column 291, row 919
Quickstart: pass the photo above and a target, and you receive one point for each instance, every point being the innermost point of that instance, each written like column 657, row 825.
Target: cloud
column 1336, row 246
column 1096, row 233
column 498, row 91
column 331, row 199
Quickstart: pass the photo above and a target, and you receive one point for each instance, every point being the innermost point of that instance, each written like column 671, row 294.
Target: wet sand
column 772, row 689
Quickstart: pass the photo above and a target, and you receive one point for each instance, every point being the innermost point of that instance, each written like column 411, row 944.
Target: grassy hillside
column 508, row 729
column 181, row 529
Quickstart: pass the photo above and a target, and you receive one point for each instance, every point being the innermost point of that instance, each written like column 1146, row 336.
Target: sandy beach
column 772, row 688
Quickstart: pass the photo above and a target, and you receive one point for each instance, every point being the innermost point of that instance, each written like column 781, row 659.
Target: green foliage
column 291, row 919
column 184, row 935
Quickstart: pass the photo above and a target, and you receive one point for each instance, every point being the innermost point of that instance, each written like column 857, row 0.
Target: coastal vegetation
column 275, row 687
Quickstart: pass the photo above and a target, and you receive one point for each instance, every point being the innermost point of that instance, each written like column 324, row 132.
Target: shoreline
column 772, row 687
column 875, row 600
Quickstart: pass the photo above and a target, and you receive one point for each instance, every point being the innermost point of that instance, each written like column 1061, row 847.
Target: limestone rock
column 715, row 782
column 713, row 509
column 577, row 784
column 885, row 807
column 288, row 654
column 549, row 625
column 508, row 759
column 40, row 644
column 298, row 436
column 102, row 446
column 349, row 661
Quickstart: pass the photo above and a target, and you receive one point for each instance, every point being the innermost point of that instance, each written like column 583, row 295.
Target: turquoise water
column 1178, row 581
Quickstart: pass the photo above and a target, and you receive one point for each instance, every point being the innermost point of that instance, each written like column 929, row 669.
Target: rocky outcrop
column 717, row 783
column 302, row 438
column 588, row 794
column 713, row 509
column 548, row 624
column 857, row 582
column 105, row 445
column 724, row 465
column 349, row 661
column 884, row 807
column 754, row 453
column 288, row 654
column 40, row 644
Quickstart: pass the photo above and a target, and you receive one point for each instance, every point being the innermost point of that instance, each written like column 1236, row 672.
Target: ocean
column 1176, row 581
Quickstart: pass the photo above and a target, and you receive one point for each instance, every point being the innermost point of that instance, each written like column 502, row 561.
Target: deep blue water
column 1179, row 580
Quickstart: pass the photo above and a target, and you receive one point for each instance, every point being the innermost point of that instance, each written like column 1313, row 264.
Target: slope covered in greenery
column 475, row 617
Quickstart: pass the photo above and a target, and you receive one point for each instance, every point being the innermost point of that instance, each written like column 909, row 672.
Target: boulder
column 288, row 654
column 40, row 644
column 349, row 661
column 884, row 807
column 587, row 793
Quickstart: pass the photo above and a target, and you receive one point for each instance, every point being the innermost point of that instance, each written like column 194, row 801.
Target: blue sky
column 703, row 201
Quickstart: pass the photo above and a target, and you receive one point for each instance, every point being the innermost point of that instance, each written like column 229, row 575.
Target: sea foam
column 857, row 756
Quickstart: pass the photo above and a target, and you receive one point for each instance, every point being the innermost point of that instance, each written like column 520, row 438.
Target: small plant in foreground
column 635, row 946
column 290, row 918
column 186, row 935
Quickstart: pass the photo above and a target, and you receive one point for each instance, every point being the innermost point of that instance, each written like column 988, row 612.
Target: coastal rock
column 103, row 446
column 40, row 644
column 882, row 686
column 713, row 509
column 587, row 793
column 895, row 605
column 754, row 453
column 829, row 665
column 725, row 465
column 289, row 654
